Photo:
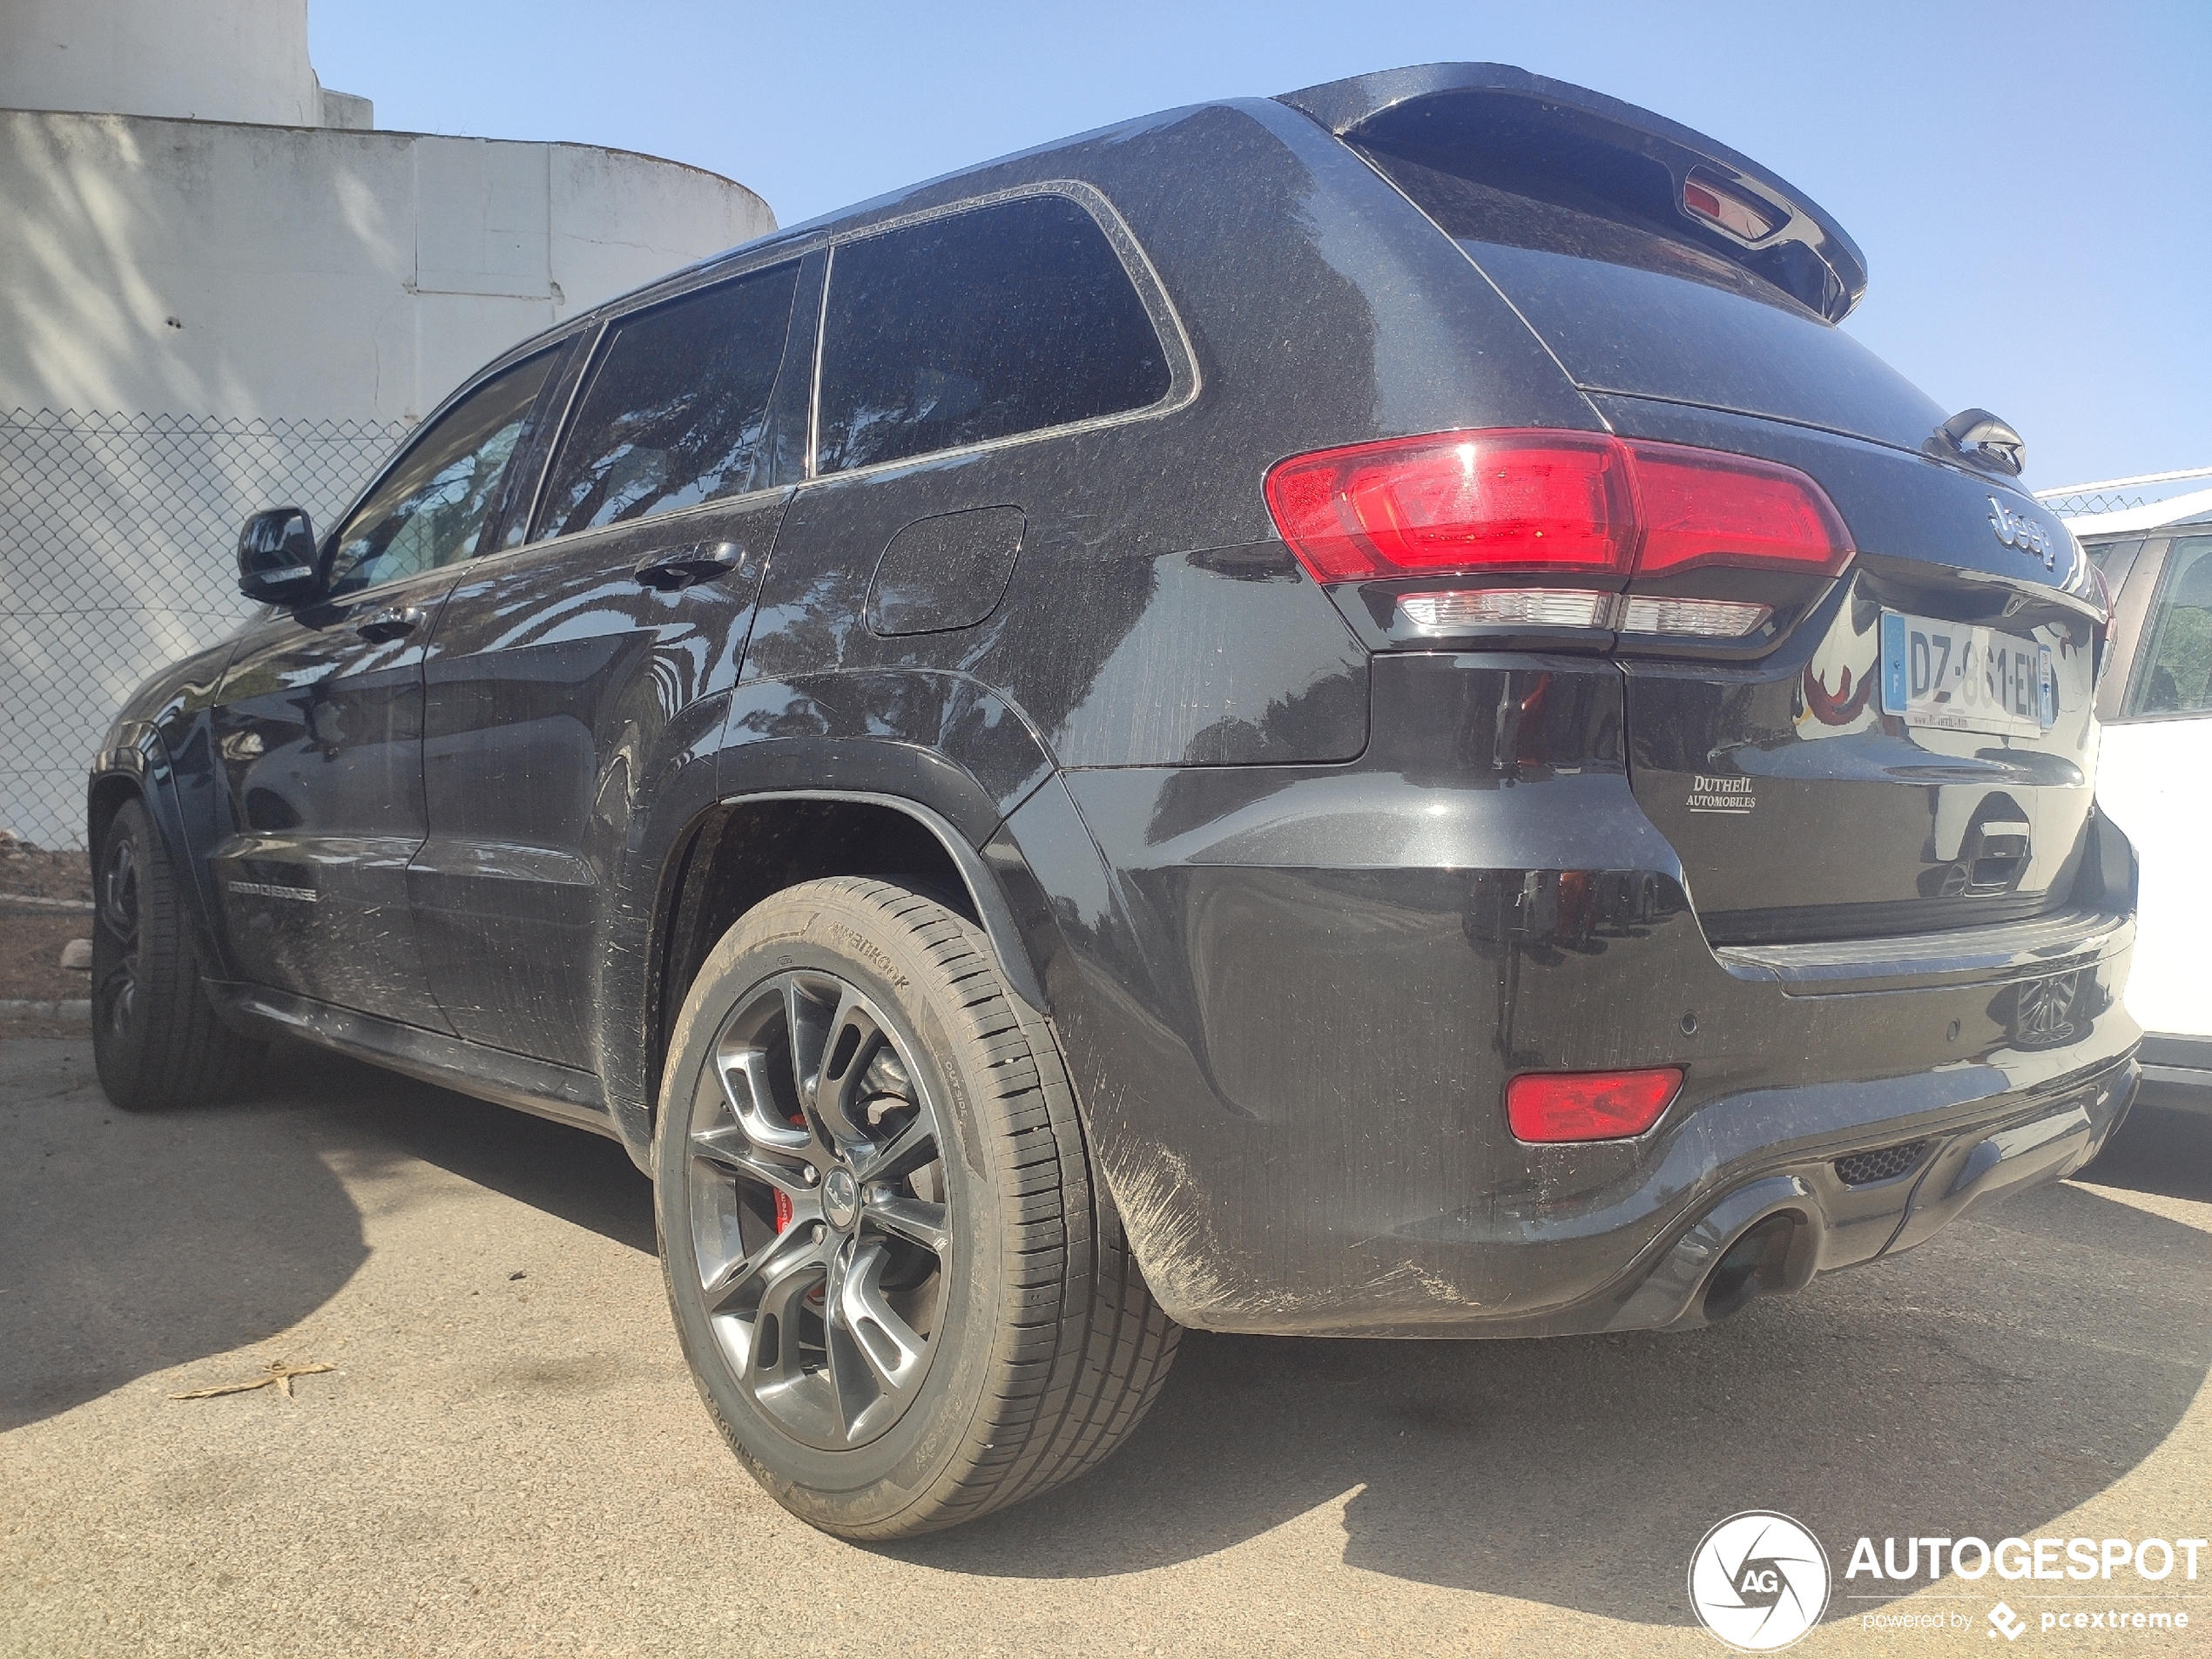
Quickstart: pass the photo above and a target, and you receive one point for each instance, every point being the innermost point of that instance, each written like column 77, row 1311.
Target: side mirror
column 276, row 558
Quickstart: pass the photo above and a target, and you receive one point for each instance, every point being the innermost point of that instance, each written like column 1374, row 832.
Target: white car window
column 2175, row 674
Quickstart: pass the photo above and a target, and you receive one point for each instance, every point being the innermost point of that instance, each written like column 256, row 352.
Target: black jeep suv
column 1345, row 714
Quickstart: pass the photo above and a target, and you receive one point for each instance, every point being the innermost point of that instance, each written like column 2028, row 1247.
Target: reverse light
column 1456, row 612
column 1589, row 1105
column 1704, row 618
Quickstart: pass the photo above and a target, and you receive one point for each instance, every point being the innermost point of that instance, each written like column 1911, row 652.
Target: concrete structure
column 221, row 286
column 202, row 60
column 173, row 266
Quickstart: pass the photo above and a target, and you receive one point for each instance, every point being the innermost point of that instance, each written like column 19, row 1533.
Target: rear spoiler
column 1536, row 136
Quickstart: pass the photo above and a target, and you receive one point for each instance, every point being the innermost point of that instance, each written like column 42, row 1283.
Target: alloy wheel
column 819, row 1219
column 118, row 992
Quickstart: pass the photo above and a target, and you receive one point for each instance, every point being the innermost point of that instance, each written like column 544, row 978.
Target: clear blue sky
column 2031, row 182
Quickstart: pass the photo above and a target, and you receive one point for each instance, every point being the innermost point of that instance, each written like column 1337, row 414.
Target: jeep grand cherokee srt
column 1348, row 714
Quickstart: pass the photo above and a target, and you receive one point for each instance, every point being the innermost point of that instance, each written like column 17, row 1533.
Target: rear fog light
column 1589, row 1105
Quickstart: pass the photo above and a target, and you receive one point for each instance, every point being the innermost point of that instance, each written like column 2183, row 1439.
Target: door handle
column 392, row 622
column 679, row 567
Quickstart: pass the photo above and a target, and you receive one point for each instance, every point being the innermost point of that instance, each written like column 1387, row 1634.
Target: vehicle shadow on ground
column 132, row 1243
column 2010, row 1371
column 585, row 1179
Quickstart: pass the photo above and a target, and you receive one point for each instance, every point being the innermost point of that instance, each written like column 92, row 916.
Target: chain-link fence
column 117, row 539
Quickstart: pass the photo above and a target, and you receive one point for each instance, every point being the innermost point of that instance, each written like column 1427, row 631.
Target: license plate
column 1961, row 677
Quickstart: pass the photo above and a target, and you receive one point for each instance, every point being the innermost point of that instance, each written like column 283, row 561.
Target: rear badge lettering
column 1721, row 794
column 2024, row 534
column 270, row 890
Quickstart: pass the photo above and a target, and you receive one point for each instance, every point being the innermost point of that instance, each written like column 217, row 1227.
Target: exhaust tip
column 1754, row 1264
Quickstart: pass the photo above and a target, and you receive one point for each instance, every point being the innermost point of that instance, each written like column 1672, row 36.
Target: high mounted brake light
column 1706, row 197
column 1516, row 502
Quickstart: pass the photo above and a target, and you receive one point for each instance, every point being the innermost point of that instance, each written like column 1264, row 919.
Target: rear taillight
column 1589, row 1105
column 1582, row 512
column 1699, row 506
column 1456, row 504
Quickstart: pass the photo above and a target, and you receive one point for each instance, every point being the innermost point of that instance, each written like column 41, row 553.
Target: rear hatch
column 1915, row 752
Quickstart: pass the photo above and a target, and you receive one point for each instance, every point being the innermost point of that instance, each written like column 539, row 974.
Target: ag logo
column 1759, row 1582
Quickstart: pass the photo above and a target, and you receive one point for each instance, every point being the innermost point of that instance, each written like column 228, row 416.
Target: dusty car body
column 1318, row 863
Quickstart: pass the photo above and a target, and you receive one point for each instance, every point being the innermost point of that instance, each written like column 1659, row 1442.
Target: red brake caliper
column 783, row 1209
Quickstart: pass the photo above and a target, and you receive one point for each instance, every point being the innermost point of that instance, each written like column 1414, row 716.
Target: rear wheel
column 904, row 1300
column 155, row 1041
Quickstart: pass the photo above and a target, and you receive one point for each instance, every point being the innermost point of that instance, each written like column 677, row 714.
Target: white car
column 2155, row 776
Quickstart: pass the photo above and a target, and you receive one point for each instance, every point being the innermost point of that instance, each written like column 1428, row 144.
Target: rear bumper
column 1832, row 1223
column 1292, row 997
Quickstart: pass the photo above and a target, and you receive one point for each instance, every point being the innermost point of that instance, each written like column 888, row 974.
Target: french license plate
column 1961, row 677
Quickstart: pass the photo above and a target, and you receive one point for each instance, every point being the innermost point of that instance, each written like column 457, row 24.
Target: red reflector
column 1512, row 502
column 1589, row 1105
column 1460, row 501
column 1703, row 508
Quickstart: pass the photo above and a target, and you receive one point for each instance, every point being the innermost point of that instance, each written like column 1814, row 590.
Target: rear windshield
column 1628, row 310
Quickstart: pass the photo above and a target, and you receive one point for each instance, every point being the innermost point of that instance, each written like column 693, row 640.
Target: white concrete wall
column 278, row 301
column 215, row 60
column 193, row 267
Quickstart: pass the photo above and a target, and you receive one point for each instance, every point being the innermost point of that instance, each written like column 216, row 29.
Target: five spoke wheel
column 819, row 1210
column 115, row 994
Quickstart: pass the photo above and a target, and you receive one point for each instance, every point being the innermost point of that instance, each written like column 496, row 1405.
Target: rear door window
column 979, row 325
column 674, row 412
column 2176, row 677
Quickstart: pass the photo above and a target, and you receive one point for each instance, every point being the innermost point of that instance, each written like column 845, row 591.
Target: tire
column 880, row 1385
column 155, row 1041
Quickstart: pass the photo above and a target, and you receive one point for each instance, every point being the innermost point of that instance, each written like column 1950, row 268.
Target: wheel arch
column 135, row 765
column 747, row 847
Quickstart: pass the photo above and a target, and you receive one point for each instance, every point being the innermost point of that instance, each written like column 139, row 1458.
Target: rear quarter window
column 1004, row 319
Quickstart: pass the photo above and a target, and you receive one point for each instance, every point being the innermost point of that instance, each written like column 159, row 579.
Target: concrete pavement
column 509, row 1459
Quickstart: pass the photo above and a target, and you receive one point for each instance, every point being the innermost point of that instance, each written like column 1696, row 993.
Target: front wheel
column 155, row 1041
column 904, row 1300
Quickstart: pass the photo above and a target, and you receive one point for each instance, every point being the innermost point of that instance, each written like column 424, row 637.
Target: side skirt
column 561, row 1093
